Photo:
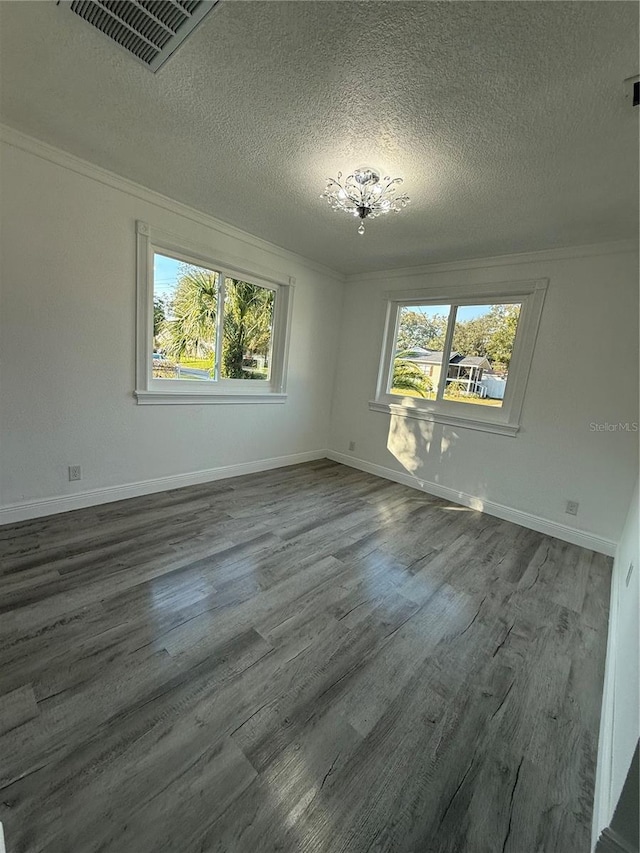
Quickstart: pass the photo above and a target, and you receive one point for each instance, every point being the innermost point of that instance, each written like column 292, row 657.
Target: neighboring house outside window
column 463, row 360
column 474, row 372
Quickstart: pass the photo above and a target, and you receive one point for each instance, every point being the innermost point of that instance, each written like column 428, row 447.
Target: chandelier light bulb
column 364, row 194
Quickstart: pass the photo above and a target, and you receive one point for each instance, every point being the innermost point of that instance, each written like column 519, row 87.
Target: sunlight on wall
column 425, row 449
column 402, row 442
column 419, row 444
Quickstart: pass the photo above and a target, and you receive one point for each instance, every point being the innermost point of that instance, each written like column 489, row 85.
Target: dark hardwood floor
column 308, row 660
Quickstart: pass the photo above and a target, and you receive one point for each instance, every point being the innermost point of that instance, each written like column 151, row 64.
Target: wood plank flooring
column 308, row 660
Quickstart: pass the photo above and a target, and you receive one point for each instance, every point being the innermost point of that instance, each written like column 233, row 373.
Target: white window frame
column 504, row 420
column 150, row 391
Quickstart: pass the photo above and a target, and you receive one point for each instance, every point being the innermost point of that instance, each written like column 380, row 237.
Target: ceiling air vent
column 151, row 30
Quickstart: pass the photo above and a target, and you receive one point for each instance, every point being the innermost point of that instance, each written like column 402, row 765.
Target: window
column 464, row 360
column 208, row 332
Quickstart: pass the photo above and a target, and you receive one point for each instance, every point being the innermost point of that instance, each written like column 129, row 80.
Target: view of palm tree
column 409, row 377
column 475, row 366
column 186, row 325
column 248, row 315
column 192, row 329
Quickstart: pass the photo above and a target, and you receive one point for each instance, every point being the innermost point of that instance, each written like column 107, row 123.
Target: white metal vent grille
column 151, row 30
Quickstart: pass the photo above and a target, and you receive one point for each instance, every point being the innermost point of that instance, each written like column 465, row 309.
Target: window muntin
column 406, row 315
column 467, row 365
column 188, row 348
column 186, row 324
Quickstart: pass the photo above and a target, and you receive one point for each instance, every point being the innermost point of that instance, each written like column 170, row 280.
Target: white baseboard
column 525, row 519
column 64, row 503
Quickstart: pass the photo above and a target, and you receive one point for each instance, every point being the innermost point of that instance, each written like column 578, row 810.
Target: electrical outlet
column 572, row 507
column 629, row 573
column 352, row 445
column 75, row 473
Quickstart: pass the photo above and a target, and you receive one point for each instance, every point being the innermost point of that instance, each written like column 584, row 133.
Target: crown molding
column 64, row 159
column 31, row 145
column 569, row 252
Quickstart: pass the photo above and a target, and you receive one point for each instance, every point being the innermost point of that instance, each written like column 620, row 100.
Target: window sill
column 185, row 398
column 403, row 411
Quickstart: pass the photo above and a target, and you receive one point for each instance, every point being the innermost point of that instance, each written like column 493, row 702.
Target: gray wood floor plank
column 307, row 660
column 17, row 708
column 179, row 802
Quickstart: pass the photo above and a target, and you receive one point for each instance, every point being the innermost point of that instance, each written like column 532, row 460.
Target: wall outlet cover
column 75, row 473
column 572, row 507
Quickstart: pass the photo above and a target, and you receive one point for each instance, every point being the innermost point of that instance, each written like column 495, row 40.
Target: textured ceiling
column 507, row 120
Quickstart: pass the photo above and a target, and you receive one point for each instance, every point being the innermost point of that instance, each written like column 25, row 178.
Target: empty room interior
column 319, row 434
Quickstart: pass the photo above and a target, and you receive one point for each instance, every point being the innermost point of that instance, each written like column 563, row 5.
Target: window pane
column 417, row 359
column 248, row 327
column 481, row 353
column 184, row 320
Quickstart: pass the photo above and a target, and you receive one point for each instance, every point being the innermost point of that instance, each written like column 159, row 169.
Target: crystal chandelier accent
column 364, row 194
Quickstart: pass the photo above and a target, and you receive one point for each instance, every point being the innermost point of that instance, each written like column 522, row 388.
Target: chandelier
column 364, row 194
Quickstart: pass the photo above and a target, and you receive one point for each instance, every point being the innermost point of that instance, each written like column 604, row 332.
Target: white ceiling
column 507, row 120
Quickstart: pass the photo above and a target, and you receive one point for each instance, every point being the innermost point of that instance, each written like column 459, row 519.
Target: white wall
column 619, row 723
column 67, row 340
column 585, row 370
column 67, row 345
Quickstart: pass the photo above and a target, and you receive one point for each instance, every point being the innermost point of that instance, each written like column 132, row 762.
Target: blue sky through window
column 165, row 275
column 470, row 312
column 465, row 312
